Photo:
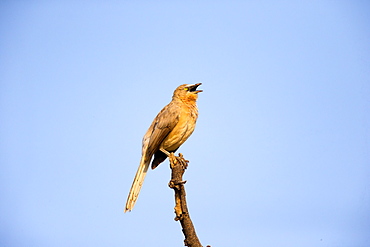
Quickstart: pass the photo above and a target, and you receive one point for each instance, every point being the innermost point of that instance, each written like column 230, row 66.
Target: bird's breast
column 183, row 129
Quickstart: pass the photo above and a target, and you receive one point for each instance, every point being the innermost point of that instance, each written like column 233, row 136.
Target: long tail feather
column 137, row 184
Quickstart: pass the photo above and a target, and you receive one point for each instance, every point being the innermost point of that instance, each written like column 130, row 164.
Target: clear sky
column 281, row 152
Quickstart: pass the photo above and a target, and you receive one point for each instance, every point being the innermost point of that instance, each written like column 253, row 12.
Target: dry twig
column 178, row 165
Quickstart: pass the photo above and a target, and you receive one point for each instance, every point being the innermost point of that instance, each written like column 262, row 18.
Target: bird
column 169, row 130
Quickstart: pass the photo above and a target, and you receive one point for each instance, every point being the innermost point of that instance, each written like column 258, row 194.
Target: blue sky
column 280, row 155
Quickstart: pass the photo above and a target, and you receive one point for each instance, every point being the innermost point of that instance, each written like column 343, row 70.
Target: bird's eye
column 186, row 89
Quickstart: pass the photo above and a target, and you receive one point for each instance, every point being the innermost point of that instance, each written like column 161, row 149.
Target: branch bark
column 178, row 165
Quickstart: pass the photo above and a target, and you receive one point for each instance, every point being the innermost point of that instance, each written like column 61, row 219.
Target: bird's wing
column 162, row 125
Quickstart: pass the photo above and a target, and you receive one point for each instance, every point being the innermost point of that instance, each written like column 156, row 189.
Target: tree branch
column 178, row 165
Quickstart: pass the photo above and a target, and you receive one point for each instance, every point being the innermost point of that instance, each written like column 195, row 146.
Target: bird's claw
column 173, row 159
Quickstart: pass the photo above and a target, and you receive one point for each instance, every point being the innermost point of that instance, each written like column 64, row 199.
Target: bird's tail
column 137, row 184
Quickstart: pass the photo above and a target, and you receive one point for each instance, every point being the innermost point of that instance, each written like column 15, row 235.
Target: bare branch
column 178, row 165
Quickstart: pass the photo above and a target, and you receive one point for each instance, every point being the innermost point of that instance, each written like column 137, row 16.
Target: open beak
column 193, row 88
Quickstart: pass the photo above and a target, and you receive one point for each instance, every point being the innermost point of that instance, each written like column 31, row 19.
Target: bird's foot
column 173, row 159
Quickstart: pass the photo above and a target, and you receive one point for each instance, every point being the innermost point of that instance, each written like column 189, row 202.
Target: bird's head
column 187, row 92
